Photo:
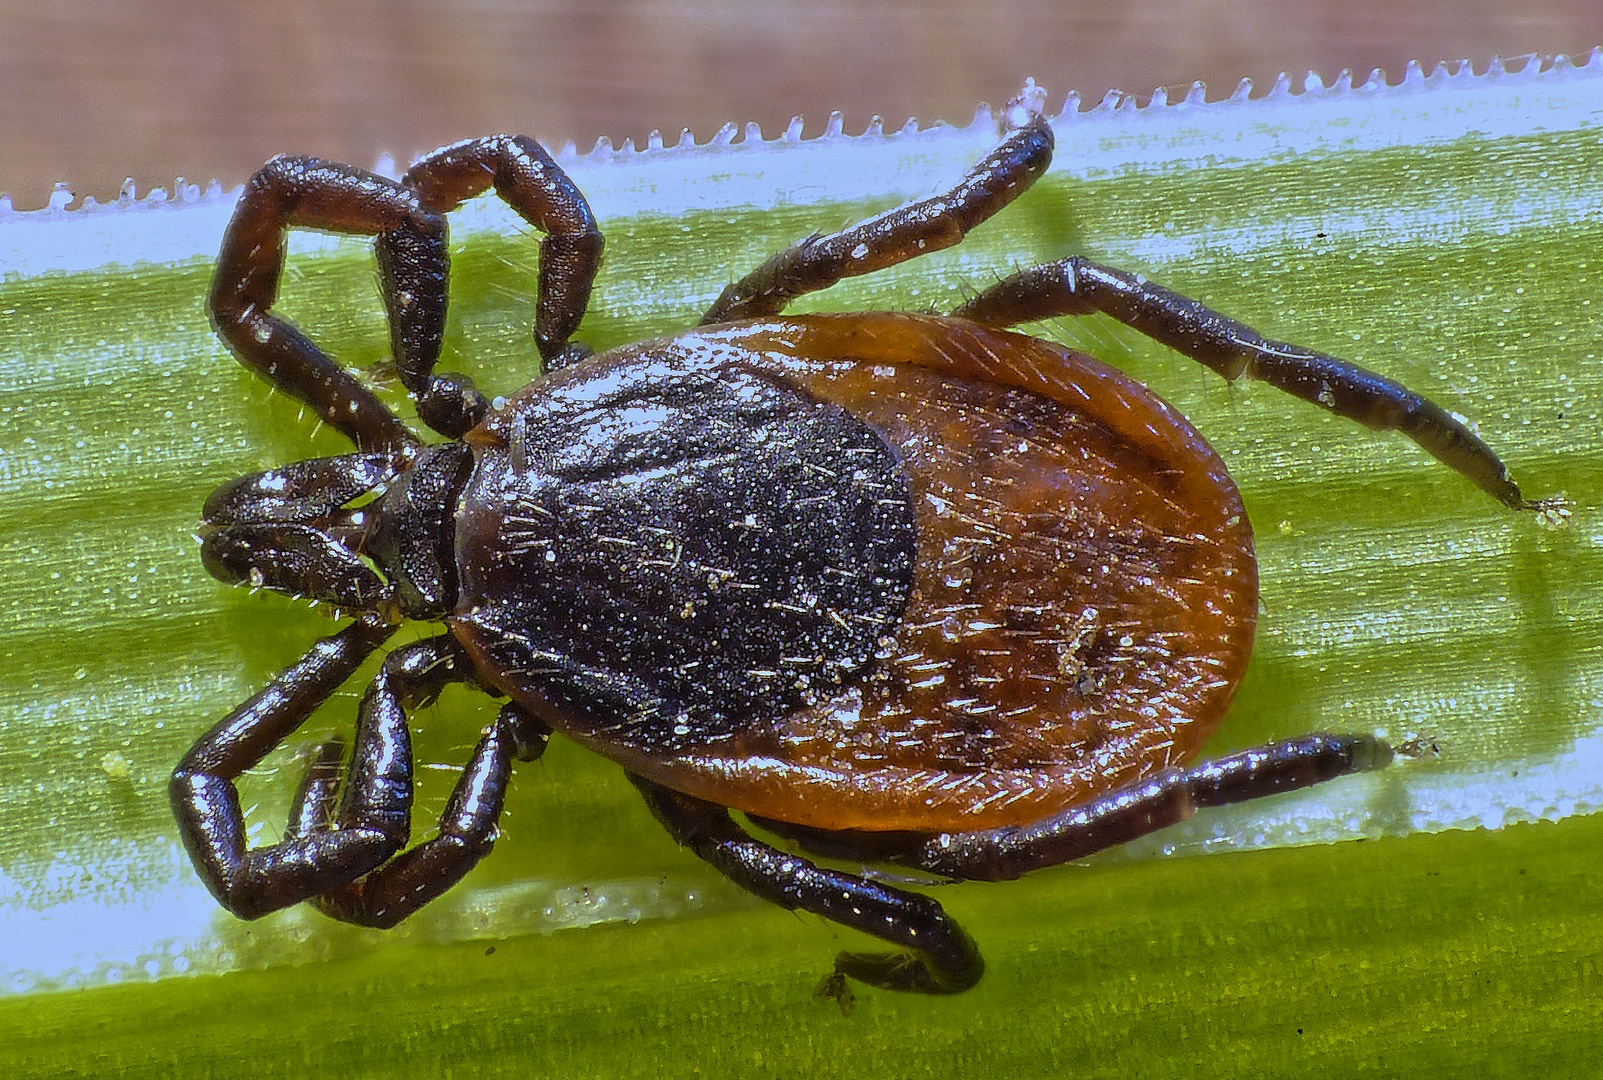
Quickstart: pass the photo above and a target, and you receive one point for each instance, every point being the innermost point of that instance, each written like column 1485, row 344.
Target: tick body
column 904, row 588
column 862, row 571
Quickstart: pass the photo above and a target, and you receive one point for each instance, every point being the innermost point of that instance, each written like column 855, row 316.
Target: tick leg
column 301, row 192
column 466, row 833
column 524, row 175
column 1146, row 806
column 250, row 883
column 376, row 793
column 1076, row 286
column 409, row 220
column 904, row 233
column 939, row 958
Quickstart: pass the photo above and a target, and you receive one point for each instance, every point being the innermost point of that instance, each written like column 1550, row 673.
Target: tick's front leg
column 251, row 883
column 301, row 192
column 408, row 220
column 526, row 178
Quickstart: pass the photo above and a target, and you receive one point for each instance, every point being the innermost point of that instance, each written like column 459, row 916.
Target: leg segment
column 466, row 833
column 408, row 219
column 1076, row 286
column 524, row 175
column 1146, row 806
column 928, row 225
column 285, row 193
column 939, row 958
column 206, row 803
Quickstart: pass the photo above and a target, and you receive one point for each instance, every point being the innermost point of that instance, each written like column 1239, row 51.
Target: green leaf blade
column 1441, row 233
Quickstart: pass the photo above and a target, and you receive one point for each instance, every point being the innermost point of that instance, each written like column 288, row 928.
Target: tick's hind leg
column 939, row 958
column 1146, row 806
column 466, row 833
column 904, row 233
column 1076, row 286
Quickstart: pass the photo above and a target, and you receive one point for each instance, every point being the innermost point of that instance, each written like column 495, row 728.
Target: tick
column 898, row 588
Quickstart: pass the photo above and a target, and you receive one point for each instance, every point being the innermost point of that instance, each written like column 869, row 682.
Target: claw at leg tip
column 1030, row 103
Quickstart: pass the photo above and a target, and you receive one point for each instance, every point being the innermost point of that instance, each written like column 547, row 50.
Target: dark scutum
column 677, row 556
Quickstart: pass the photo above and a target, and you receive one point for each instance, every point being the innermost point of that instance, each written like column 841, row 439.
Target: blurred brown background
column 91, row 92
